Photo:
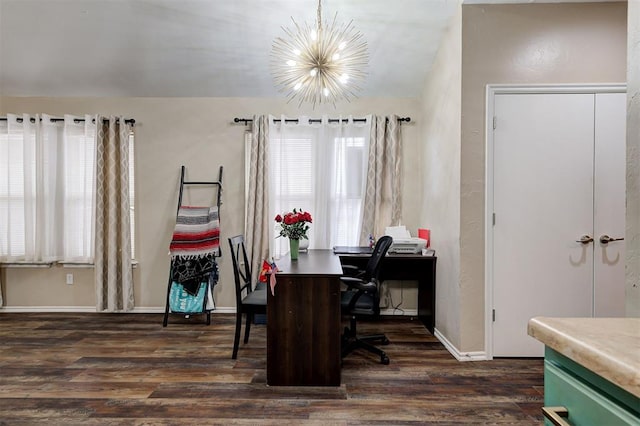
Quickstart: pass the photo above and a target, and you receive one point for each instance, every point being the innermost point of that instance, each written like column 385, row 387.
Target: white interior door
column 609, row 207
column 543, row 204
column 558, row 175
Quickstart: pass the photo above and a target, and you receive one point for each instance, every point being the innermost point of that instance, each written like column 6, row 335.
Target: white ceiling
column 195, row 48
column 210, row 48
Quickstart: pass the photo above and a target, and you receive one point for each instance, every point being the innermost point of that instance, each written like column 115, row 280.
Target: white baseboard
column 148, row 310
column 460, row 356
column 89, row 309
column 32, row 309
column 399, row 312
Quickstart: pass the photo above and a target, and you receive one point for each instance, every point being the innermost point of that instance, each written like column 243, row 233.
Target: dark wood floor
column 126, row 369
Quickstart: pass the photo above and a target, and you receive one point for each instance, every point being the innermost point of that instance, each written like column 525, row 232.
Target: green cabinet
column 588, row 398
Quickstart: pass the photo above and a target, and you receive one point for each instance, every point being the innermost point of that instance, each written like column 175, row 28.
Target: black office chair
column 362, row 297
column 250, row 300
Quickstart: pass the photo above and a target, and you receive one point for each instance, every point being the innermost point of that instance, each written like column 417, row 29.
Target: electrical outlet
column 69, row 279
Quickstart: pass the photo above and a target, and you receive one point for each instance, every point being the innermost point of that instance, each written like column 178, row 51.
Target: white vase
column 304, row 245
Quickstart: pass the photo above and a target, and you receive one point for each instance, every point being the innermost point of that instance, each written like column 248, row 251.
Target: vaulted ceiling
column 193, row 48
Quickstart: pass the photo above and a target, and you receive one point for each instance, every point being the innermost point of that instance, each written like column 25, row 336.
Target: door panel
column 543, row 202
column 609, row 207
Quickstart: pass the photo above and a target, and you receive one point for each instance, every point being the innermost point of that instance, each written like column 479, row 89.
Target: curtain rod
column 75, row 120
column 315, row 120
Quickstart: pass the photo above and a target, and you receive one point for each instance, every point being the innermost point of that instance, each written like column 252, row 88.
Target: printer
column 403, row 242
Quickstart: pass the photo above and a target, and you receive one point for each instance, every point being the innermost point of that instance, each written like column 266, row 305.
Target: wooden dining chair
column 251, row 298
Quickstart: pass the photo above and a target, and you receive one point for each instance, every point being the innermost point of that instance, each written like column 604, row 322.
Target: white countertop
column 610, row 347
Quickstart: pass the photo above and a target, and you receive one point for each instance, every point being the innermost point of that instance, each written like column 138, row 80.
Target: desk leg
column 427, row 303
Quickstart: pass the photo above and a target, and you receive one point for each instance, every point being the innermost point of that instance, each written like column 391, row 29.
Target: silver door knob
column 585, row 239
column 605, row 239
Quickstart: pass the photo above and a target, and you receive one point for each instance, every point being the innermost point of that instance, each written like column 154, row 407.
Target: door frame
column 491, row 91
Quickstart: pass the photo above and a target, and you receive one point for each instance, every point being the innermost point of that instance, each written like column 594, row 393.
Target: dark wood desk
column 303, row 322
column 407, row 267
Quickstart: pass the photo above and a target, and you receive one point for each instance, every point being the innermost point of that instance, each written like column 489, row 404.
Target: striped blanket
column 197, row 232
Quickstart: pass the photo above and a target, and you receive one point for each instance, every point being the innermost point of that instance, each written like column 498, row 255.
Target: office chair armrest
column 357, row 283
column 352, row 271
column 354, row 300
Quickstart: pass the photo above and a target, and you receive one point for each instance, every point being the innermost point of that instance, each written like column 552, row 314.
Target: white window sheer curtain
column 47, row 176
column 320, row 168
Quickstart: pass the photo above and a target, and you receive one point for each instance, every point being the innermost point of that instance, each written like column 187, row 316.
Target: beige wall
column 440, row 136
column 197, row 133
column 524, row 44
column 633, row 161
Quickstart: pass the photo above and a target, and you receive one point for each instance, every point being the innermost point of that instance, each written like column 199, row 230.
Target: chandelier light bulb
column 323, row 62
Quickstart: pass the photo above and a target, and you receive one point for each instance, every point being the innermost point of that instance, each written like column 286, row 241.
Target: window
column 320, row 168
column 47, row 185
column 349, row 189
column 16, row 190
column 293, row 173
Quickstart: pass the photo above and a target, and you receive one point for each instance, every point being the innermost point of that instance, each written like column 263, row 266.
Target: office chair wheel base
column 384, row 360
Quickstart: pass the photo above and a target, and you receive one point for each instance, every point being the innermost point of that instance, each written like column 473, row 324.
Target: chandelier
column 319, row 63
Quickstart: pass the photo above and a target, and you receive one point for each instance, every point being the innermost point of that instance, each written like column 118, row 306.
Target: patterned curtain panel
column 114, row 280
column 257, row 219
column 383, row 197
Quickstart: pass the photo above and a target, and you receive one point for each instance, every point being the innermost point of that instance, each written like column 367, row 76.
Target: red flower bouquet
column 294, row 224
